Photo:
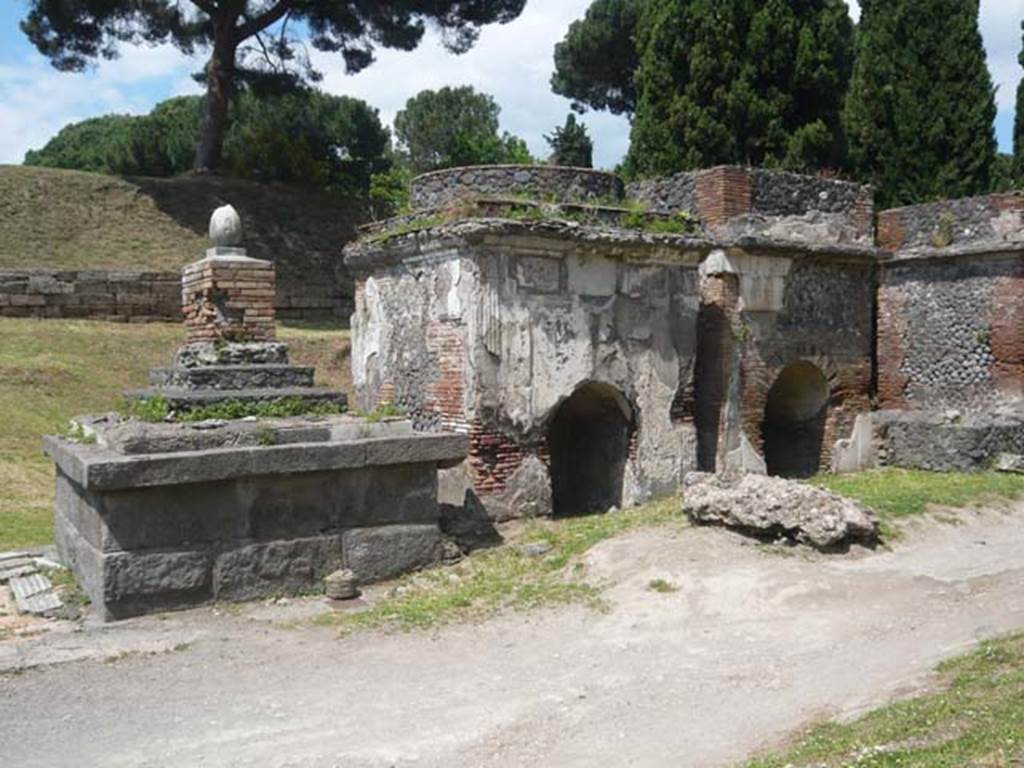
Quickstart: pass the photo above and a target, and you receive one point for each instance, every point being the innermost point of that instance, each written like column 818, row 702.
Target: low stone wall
column 995, row 218
column 946, row 441
column 442, row 187
column 144, row 533
column 951, row 330
column 740, row 201
column 118, row 295
column 133, row 296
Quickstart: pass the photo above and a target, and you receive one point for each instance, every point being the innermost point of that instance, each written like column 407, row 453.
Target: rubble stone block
column 377, row 554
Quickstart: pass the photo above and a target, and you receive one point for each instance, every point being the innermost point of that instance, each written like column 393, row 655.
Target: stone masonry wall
column 953, row 223
column 440, row 188
column 735, row 201
column 951, row 332
column 120, row 296
column 138, row 297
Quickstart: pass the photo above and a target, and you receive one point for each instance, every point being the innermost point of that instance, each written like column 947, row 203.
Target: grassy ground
column 75, row 220
column 974, row 720
column 52, row 370
column 508, row 577
column 897, row 494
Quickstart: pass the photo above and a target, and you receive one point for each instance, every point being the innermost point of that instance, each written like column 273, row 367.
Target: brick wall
column 722, row 194
column 112, row 295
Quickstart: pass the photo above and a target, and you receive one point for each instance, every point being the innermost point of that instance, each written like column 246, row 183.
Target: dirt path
column 751, row 646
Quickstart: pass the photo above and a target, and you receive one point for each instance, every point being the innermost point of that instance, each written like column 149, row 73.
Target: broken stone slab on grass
column 1010, row 462
column 772, row 506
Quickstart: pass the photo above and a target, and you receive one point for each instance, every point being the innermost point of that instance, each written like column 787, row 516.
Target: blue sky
column 511, row 62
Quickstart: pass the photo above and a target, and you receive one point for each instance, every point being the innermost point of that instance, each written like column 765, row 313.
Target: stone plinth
column 228, row 296
column 148, row 521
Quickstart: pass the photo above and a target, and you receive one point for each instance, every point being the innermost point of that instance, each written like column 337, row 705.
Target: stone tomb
column 151, row 516
column 594, row 356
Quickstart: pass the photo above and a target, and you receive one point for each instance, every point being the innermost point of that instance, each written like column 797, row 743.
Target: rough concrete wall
column 116, row 295
column 941, row 442
column 442, row 187
column 736, row 202
column 802, row 309
column 667, row 195
column 951, row 332
column 492, row 342
column 953, row 223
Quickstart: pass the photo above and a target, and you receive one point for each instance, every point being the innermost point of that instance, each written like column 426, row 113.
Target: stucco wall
column 489, row 340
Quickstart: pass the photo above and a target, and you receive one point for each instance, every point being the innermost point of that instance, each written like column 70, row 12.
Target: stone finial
column 226, row 227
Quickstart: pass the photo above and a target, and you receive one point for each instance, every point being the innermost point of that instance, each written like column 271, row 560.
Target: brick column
column 723, row 193
column 228, row 296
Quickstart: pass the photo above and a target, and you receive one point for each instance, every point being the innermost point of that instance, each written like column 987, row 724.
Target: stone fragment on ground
column 1010, row 462
column 34, row 594
column 773, row 506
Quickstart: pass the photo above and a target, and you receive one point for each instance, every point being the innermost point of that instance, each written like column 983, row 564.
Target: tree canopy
column 740, row 81
column 259, row 42
column 304, row 136
column 596, row 61
column 454, row 126
column 921, row 109
column 571, row 144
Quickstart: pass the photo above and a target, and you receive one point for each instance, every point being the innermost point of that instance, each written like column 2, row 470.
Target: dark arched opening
column 794, row 421
column 588, row 440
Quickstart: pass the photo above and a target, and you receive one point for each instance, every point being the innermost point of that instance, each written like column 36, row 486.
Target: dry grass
column 74, row 220
column 51, row 370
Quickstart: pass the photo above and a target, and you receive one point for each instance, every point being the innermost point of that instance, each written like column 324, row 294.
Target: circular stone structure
column 558, row 183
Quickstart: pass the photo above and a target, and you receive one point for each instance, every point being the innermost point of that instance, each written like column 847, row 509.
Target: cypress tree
column 1018, row 124
column 921, row 110
column 759, row 82
column 571, row 144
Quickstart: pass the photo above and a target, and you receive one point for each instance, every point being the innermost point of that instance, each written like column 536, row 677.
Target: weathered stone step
column 182, row 399
column 233, row 377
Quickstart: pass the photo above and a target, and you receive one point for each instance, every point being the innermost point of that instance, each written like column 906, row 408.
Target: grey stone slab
column 34, row 594
column 176, row 516
column 377, row 554
column 96, row 468
column 19, row 570
column 255, row 570
column 131, row 575
column 442, row 447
